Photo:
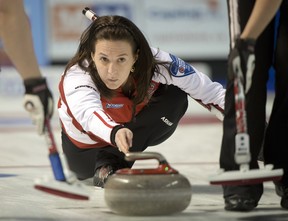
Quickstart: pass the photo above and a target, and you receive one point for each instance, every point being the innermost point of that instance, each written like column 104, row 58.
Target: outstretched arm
column 17, row 41
column 262, row 14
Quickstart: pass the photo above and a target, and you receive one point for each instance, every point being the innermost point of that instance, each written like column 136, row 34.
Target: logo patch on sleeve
column 180, row 68
column 114, row 106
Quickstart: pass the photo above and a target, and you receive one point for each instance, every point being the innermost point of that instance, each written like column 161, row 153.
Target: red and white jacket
column 88, row 119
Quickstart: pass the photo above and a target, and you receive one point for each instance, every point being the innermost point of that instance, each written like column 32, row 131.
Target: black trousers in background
column 256, row 105
column 148, row 130
column 276, row 138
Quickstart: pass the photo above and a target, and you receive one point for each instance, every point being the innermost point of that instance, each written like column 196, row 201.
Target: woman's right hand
column 123, row 139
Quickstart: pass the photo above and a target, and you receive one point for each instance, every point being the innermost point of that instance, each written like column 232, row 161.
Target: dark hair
column 117, row 28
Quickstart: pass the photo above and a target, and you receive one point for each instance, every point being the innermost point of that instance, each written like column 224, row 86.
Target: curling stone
column 147, row 192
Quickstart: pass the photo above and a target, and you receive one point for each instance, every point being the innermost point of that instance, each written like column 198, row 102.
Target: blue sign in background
column 36, row 11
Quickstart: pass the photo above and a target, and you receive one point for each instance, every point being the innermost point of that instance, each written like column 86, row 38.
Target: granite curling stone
column 147, row 192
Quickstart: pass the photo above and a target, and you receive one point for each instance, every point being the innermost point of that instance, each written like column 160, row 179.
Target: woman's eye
column 103, row 59
column 121, row 60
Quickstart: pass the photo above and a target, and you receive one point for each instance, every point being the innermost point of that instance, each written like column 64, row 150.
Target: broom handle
column 242, row 146
column 58, row 161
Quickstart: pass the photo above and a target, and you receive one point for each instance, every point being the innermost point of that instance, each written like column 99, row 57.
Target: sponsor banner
column 191, row 29
column 36, row 11
column 66, row 22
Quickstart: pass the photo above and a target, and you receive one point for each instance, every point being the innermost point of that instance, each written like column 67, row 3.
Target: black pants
column 148, row 130
column 276, row 138
column 256, row 104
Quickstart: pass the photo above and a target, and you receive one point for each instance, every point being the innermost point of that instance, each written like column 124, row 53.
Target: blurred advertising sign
column 191, row 29
column 188, row 28
column 66, row 22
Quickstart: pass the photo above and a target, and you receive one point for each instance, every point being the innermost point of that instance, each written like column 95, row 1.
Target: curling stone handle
column 163, row 167
column 132, row 156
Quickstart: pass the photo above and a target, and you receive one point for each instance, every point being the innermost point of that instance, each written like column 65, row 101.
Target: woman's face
column 114, row 61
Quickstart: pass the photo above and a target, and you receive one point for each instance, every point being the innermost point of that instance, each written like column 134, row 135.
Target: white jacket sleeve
column 198, row 85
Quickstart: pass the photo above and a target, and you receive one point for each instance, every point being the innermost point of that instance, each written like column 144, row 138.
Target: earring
column 132, row 69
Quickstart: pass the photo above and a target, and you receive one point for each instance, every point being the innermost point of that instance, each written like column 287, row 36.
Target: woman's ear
column 136, row 55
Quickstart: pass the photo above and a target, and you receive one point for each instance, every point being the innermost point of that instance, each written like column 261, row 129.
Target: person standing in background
column 257, row 28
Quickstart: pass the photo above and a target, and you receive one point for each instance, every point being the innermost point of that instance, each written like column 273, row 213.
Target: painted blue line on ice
column 17, row 121
column 2, row 175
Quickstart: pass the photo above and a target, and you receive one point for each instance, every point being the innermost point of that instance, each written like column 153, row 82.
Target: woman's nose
column 112, row 68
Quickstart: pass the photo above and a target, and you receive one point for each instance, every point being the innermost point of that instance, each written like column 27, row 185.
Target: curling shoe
column 282, row 191
column 240, row 203
column 102, row 174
